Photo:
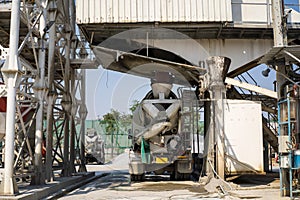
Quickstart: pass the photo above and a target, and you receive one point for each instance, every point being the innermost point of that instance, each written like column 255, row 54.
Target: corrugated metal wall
column 131, row 11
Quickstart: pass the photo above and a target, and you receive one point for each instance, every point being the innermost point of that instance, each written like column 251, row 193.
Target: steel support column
column 280, row 39
column 51, row 97
column 280, row 36
column 66, row 103
column 83, row 114
column 217, row 68
column 72, row 122
column 73, row 87
column 39, row 87
column 11, row 76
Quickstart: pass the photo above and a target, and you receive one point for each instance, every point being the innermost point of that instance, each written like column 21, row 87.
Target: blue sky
column 292, row 2
column 108, row 89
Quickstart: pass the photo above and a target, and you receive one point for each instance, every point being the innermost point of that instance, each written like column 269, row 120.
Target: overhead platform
column 201, row 19
column 226, row 28
column 97, row 33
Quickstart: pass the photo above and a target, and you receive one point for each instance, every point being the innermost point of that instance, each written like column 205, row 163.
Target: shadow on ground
column 256, row 179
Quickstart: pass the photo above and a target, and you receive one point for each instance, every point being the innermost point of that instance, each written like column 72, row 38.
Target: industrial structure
column 44, row 57
column 44, row 91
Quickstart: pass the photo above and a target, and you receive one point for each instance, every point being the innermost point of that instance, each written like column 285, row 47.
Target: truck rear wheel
column 137, row 178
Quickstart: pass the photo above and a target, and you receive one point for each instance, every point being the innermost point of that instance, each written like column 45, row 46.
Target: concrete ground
column 117, row 185
column 112, row 181
column 58, row 187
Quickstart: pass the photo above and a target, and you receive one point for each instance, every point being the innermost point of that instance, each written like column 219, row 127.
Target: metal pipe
column 8, row 185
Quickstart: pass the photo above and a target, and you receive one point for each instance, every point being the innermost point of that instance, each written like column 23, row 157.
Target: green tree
column 115, row 119
column 135, row 104
column 111, row 120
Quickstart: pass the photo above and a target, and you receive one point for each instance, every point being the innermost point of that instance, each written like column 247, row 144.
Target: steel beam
column 251, row 87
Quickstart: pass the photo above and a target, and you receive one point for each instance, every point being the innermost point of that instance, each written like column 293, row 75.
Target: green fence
column 115, row 138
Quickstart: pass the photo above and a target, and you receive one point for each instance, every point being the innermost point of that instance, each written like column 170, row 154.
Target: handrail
column 251, row 77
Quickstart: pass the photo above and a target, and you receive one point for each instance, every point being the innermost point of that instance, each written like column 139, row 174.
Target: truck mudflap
column 136, row 168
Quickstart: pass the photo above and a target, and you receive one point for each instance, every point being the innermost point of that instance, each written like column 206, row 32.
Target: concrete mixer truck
column 164, row 131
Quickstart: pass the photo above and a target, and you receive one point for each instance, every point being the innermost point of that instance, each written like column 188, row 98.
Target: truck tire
column 137, row 178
